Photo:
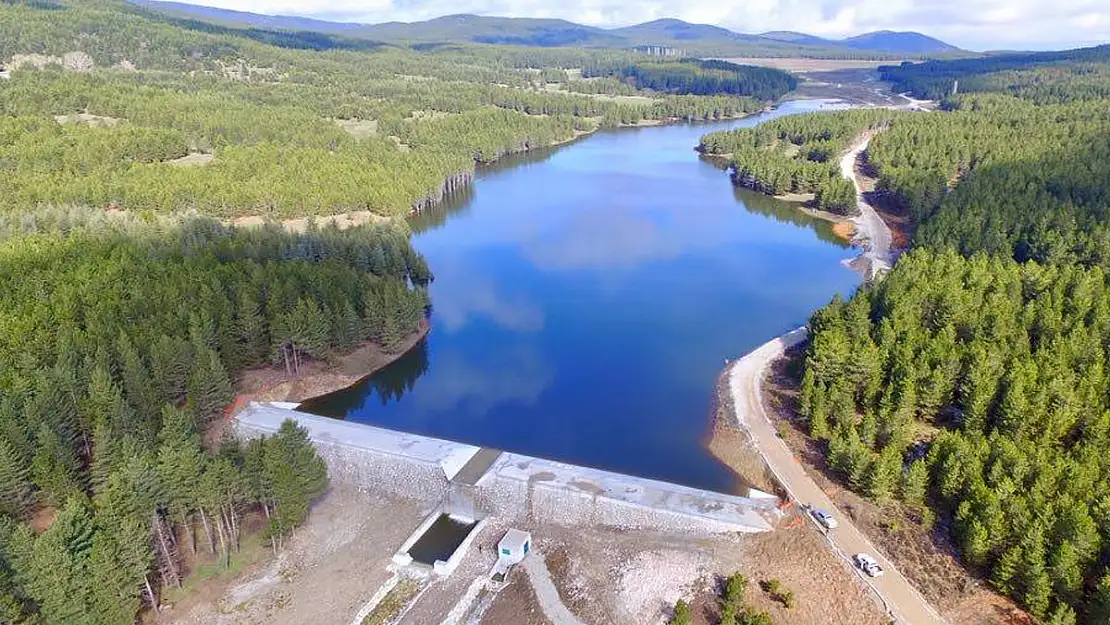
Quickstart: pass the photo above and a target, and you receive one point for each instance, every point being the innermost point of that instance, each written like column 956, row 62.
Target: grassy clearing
column 210, row 568
column 393, row 603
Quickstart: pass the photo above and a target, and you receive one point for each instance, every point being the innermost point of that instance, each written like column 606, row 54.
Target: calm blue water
column 586, row 298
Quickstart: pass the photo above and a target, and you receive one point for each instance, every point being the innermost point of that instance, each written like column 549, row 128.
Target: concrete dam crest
column 478, row 482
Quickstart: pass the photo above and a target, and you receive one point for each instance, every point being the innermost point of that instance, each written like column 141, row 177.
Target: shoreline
column 732, row 445
column 270, row 384
column 429, row 201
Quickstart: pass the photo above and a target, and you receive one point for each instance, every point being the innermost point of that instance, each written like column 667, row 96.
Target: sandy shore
column 319, row 378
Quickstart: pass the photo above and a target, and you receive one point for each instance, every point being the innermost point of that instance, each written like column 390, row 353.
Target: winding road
column 872, row 232
column 901, row 600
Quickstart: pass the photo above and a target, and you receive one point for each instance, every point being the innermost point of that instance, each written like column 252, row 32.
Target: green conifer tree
column 209, row 390
column 15, row 481
column 54, row 468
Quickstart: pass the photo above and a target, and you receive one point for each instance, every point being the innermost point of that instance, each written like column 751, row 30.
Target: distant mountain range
column 670, row 35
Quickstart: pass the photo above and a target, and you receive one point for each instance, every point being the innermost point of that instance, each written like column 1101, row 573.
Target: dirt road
column 871, row 231
column 901, row 599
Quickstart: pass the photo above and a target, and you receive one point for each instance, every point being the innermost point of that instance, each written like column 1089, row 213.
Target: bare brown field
column 809, row 65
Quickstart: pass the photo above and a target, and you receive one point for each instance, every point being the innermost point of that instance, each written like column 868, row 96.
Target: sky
column 970, row 24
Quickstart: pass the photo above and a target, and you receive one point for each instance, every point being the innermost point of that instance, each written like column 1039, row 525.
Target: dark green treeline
column 971, row 383
column 120, row 340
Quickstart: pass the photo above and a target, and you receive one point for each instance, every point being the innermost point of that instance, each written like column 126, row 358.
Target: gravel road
column 900, row 598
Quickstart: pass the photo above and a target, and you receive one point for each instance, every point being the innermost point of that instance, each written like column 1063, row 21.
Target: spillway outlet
column 440, row 543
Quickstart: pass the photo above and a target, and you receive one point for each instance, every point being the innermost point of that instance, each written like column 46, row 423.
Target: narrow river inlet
column 586, row 298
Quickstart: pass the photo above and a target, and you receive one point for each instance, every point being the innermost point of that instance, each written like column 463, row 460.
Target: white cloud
column 978, row 24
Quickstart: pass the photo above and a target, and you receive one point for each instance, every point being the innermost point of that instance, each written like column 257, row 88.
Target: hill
column 904, row 42
column 492, row 30
column 908, row 43
column 672, row 30
column 228, row 17
column 790, row 36
column 680, row 36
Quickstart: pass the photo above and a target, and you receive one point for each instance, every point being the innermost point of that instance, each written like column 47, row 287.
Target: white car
column 824, row 518
column 867, row 564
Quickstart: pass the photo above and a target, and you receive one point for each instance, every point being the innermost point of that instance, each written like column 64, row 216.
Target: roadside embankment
column 899, row 597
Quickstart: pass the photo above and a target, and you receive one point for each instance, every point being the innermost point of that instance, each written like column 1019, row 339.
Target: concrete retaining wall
column 515, row 488
column 378, row 467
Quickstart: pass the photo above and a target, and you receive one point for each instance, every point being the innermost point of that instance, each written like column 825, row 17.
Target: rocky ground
column 339, row 560
column 328, row 570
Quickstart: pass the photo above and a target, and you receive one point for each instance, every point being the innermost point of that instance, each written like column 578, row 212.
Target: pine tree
column 54, row 468
column 915, row 483
column 138, row 389
column 297, row 475
column 104, row 405
column 391, row 337
column 253, row 339
column 347, row 328
column 883, row 475
column 105, row 449
column 13, row 599
column 312, row 332
column 180, row 465
column 54, row 566
column 14, row 428
column 209, row 387
column 1066, row 570
column 1100, row 603
column 1005, row 571
column 171, row 360
column 682, row 614
column 15, row 481
column 115, row 580
column 1062, row 614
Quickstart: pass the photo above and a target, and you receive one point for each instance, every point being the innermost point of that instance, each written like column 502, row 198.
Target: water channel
column 586, row 298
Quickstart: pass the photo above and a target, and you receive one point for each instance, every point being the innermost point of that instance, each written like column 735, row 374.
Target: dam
column 478, row 482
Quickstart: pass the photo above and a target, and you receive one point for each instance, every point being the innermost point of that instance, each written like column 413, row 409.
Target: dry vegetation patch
column 429, row 115
column 96, row 121
column 359, row 128
column 394, row 602
column 194, row 159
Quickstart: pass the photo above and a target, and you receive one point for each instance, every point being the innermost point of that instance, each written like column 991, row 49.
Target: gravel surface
column 652, row 581
column 341, row 553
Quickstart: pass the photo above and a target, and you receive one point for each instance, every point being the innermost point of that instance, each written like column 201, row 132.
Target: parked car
column 824, row 518
column 867, row 564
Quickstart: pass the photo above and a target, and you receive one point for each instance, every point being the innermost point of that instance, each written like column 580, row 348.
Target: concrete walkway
column 546, row 593
column 871, row 231
column 901, row 599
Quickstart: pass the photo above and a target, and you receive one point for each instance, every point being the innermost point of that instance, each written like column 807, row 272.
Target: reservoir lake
column 587, row 297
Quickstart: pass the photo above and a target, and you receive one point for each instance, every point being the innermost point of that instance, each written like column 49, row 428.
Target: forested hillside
column 1005, row 176
column 797, row 154
column 698, row 77
column 128, row 310
column 699, row 39
column 1082, row 74
column 970, row 383
column 120, row 341
column 285, row 131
